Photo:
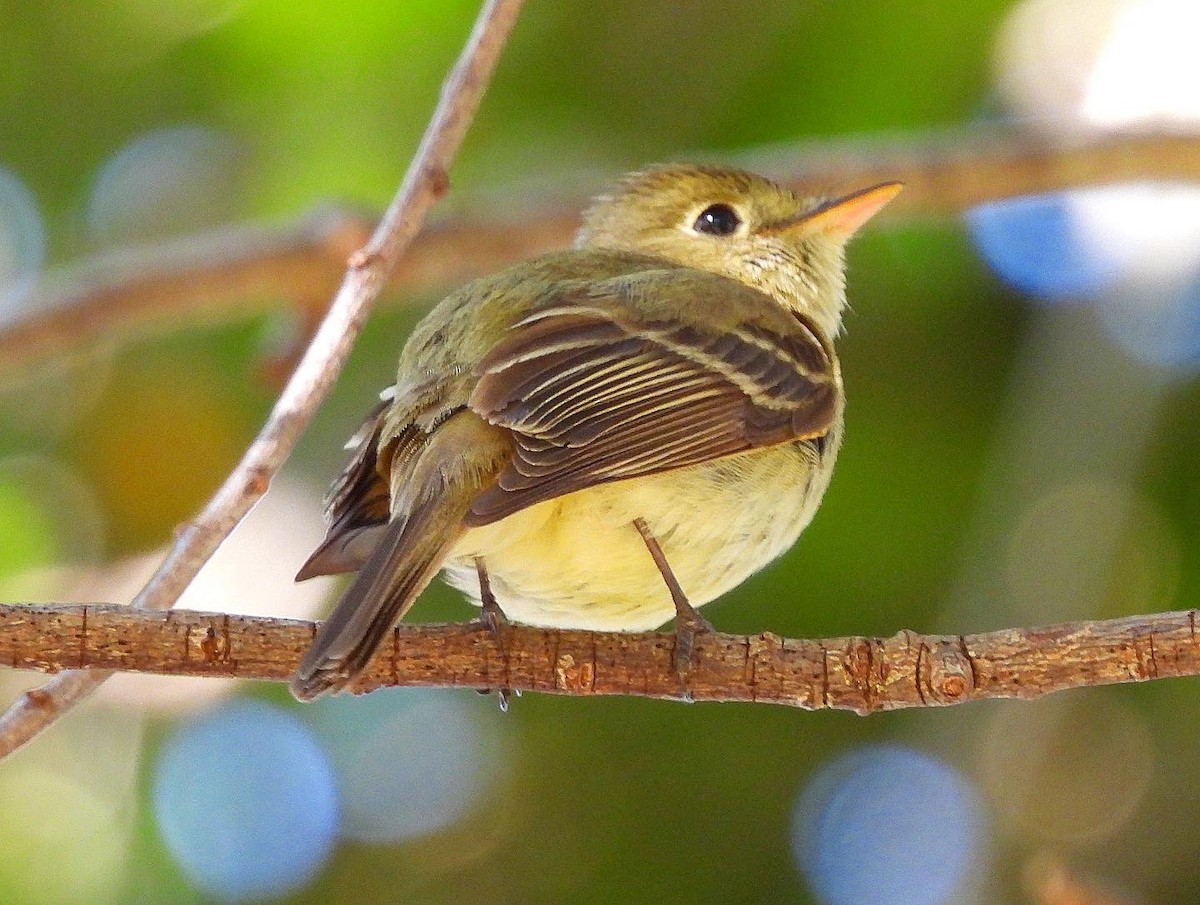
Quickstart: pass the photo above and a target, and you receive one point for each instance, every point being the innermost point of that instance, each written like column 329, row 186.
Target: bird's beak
column 843, row 217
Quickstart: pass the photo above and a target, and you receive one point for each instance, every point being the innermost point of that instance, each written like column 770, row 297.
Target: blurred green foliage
column 606, row 800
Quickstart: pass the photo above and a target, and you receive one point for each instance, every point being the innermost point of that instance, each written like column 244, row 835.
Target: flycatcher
column 607, row 437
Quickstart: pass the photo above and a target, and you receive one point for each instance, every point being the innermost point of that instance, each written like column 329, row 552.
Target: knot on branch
column 950, row 675
column 863, row 666
column 438, row 179
column 573, row 676
column 907, row 669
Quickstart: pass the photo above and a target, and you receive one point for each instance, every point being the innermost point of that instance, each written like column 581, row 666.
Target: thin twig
column 863, row 675
column 215, row 274
column 425, row 181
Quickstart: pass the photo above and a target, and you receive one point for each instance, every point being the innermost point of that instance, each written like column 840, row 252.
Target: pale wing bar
column 590, row 399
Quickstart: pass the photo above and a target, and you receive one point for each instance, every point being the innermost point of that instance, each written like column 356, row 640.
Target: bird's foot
column 688, row 624
column 492, row 618
column 490, row 614
column 503, row 696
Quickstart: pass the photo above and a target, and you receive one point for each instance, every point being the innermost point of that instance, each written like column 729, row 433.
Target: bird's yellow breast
column 579, row 562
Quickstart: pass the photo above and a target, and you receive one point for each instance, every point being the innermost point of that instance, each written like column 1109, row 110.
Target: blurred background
column 1023, row 447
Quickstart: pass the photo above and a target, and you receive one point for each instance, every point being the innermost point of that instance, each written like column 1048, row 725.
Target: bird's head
column 739, row 225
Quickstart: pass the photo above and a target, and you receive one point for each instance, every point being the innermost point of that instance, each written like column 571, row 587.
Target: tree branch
column 944, row 173
column 423, row 184
column 242, row 270
column 863, row 675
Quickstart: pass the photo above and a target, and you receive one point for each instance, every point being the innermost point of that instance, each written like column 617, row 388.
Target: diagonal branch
column 863, row 675
column 226, row 272
column 425, row 181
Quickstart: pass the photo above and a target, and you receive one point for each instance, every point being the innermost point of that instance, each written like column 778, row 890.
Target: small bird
column 605, row 437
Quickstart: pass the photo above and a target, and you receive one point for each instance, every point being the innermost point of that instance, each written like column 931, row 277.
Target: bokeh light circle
column 1104, row 63
column 1152, row 228
column 245, row 800
column 22, row 242
column 1035, row 244
column 1157, row 324
column 1066, row 67
column 48, row 515
column 1094, row 547
column 409, row 762
column 165, row 182
column 62, row 841
column 1147, row 68
column 887, row 825
column 1044, row 52
column 1070, row 770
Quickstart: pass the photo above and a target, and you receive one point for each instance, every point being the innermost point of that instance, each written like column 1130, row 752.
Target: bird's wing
column 597, row 389
column 358, row 504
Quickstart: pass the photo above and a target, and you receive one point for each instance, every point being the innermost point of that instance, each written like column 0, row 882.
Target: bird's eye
column 717, row 220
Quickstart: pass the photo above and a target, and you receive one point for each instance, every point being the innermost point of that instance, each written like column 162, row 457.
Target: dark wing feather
column 594, row 394
column 357, row 506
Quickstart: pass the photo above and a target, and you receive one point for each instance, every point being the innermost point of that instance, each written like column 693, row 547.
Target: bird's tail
column 463, row 455
column 407, row 558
